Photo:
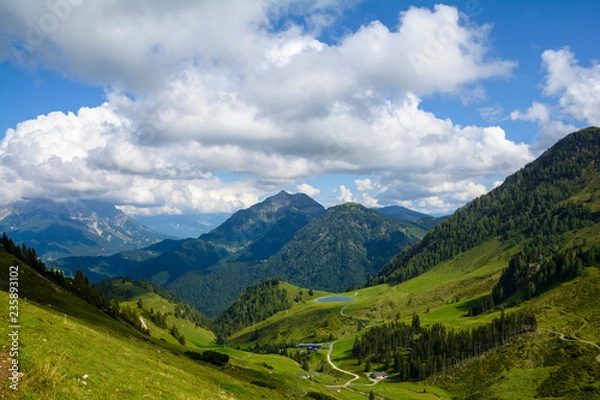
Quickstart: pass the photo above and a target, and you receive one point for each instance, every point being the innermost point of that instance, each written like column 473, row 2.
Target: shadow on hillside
column 465, row 306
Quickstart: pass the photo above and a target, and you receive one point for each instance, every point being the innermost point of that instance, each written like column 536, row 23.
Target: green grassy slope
column 446, row 291
column 542, row 365
column 130, row 293
column 69, row 350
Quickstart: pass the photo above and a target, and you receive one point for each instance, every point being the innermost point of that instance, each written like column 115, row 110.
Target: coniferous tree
column 416, row 322
column 305, row 365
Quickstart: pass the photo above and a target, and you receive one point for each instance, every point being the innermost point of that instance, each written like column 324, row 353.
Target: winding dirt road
column 355, row 377
column 562, row 337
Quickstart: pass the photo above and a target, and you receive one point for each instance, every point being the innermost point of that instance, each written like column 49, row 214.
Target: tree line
column 416, row 352
column 79, row 285
column 532, row 271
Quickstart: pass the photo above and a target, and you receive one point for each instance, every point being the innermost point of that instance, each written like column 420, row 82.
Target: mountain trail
column 562, row 337
column 342, row 312
column 355, row 376
column 144, row 326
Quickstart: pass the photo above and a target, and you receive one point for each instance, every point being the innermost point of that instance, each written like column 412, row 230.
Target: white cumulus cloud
column 577, row 87
column 577, row 93
column 346, row 195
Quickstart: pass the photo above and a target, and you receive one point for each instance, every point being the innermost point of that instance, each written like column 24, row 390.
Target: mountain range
column 74, row 228
column 286, row 235
column 340, row 249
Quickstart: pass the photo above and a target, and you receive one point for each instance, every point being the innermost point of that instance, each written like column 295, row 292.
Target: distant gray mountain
column 73, row 228
column 182, row 226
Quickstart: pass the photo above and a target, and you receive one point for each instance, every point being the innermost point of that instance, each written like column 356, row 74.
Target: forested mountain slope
column 552, row 195
column 342, row 249
column 251, row 234
column 338, row 250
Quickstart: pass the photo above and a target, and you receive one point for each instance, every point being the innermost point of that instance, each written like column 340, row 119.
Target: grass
column 440, row 295
column 520, row 369
column 307, row 322
column 57, row 352
column 444, row 295
column 406, row 390
column 520, row 383
column 195, row 336
column 69, row 350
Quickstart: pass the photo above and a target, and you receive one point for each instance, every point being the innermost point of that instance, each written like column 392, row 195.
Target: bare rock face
column 73, row 228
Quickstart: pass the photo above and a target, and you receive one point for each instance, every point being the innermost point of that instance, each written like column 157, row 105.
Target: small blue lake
column 334, row 299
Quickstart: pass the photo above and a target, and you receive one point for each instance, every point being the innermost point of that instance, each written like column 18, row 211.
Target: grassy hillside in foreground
column 539, row 364
column 69, row 350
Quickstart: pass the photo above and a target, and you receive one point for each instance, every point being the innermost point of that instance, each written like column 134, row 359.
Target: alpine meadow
column 300, row 199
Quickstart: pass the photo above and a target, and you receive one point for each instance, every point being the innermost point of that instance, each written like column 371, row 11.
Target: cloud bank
column 211, row 105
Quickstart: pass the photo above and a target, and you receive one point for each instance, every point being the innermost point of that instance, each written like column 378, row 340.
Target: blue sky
column 169, row 107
